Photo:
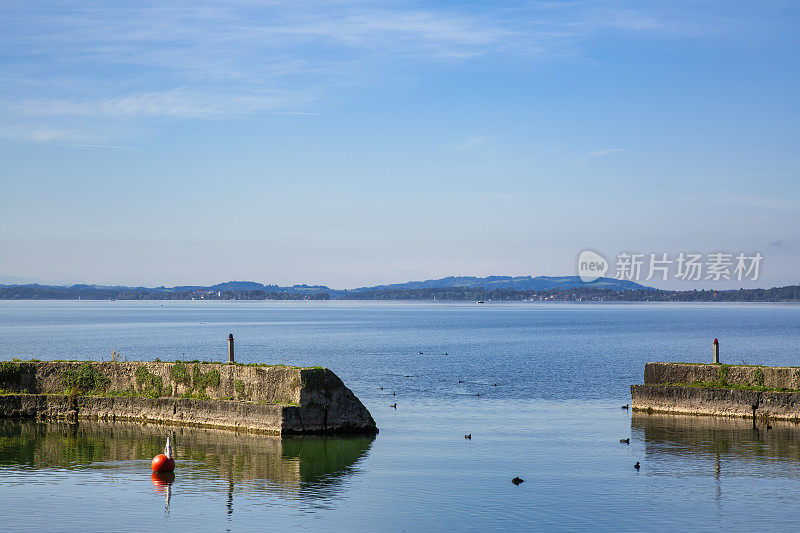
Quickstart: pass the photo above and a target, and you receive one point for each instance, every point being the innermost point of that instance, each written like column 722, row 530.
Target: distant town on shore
column 453, row 288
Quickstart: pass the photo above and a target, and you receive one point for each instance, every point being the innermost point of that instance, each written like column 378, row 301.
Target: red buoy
column 162, row 463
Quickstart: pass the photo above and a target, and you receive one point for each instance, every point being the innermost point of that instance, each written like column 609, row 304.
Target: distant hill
column 517, row 283
column 255, row 290
column 461, row 288
column 242, row 286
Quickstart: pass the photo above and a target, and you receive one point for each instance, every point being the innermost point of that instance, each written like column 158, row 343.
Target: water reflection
column 162, row 481
column 717, row 438
column 307, row 468
column 723, row 449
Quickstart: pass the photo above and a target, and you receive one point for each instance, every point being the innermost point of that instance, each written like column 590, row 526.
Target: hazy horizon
column 20, row 280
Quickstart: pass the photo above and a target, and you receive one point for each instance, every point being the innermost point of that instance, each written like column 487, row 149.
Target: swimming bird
column 626, row 406
column 394, row 406
column 380, row 388
column 468, row 436
column 625, row 441
column 394, row 394
column 636, row 466
column 460, row 381
column 769, row 427
column 494, row 384
column 477, row 394
column 420, row 353
column 408, row 376
column 517, row 480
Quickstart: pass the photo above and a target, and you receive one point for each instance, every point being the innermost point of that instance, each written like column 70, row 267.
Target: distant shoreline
column 786, row 294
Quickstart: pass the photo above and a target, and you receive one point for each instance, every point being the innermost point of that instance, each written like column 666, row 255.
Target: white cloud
column 104, row 147
column 470, row 142
column 605, row 151
column 171, row 103
column 80, row 136
column 43, row 134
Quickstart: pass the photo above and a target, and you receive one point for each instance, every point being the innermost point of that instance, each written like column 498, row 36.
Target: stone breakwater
column 272, row 399
column 720, row 390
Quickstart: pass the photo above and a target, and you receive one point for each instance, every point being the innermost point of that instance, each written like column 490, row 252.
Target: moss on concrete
column 150, row 385
column 12, row 372
column 732, row 386
column 180, row 373
column 85, row 379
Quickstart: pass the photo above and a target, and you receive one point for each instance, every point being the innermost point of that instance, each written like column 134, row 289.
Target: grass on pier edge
column 157, row 360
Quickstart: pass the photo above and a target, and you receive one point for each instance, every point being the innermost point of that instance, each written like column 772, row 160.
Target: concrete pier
column 277, row 399
column 719, row 390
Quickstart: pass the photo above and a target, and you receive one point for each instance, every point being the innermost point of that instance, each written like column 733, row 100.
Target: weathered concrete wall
column 270, row 418
column 668, row 389
column 272, row 384
column 715, row 401
column 277, row 399
column 211, row 413
column 748, row 376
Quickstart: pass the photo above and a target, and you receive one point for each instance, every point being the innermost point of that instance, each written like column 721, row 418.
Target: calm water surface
column 542, row 386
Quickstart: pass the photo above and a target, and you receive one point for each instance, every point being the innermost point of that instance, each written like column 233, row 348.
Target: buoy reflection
column 161, row 480
column 162, row 484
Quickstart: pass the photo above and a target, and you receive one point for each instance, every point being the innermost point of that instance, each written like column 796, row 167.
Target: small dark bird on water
column 460, row 381
column 769, row 427
column 420, row 353
column 394, row 406
column 494, row 384
column 468, row 436
column 636, row 466
column 625, row 441
column 380, row 388
column 626, row 406
column 408, row 376
column 478, row 394
column 517, row 480
column 394, row 394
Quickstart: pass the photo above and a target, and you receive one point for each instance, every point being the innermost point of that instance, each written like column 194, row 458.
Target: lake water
column 539, row 387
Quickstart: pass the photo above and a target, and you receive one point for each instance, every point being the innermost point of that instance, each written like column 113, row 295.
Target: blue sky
column 351, row 143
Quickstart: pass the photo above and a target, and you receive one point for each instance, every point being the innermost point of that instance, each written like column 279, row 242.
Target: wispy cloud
column 41, row 134
column 59, row 138
column 171, row 103
column 470, row 142
column 219, row 59
column 605, row 151
column 88, row 136
column 104, row 147
column 761, row 201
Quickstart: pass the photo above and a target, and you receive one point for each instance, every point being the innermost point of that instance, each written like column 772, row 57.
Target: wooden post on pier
column 230, row 348
column 716, row 351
